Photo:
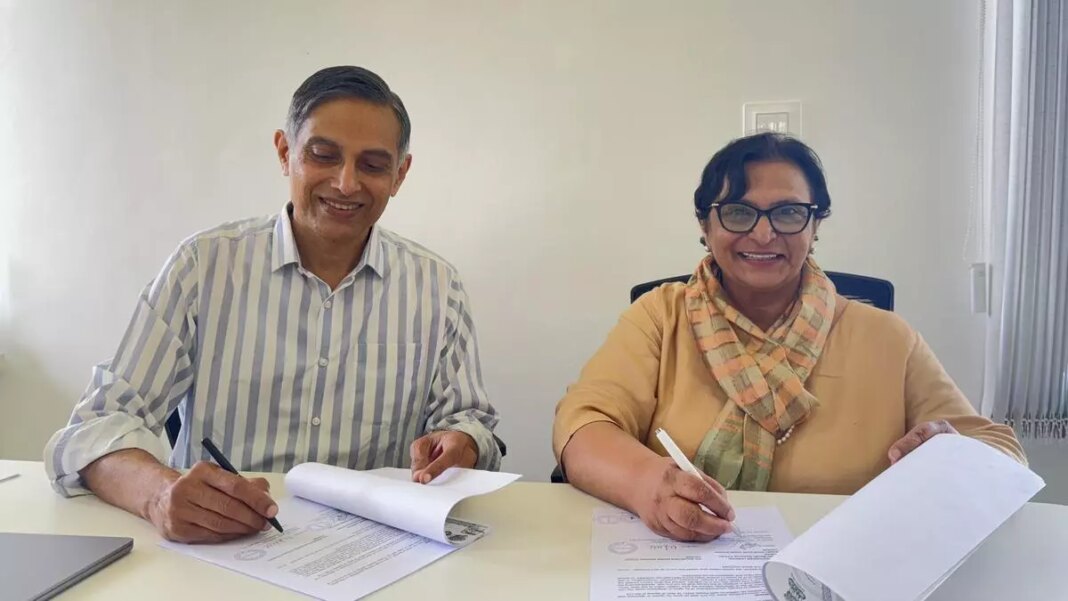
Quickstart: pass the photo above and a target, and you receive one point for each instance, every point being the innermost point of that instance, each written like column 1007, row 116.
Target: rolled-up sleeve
column 129, row 398
column 458, row 399
column 931, row 395
column 619, row 383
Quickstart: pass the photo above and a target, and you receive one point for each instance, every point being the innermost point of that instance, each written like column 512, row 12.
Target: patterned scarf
column 762, row 373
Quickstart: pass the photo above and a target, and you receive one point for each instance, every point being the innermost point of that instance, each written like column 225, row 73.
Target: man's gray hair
column 332, row 83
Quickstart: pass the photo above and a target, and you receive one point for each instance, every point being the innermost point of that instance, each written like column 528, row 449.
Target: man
column 312, row 335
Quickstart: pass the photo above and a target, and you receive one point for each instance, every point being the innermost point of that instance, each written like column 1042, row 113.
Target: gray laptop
column 40, row 566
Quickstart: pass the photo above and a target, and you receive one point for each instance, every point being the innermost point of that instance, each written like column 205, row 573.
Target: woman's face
column 763, row 261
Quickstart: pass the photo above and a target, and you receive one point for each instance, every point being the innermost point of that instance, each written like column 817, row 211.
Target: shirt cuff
column 76, row 446
column 489, row 454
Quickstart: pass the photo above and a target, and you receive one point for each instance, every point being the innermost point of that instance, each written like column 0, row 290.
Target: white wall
column 557, row 145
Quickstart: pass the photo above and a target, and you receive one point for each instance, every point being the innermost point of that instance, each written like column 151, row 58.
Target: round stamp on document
column 249, row 554
column 622, row 548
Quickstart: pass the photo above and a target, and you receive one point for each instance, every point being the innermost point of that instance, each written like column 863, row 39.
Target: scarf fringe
column 1039, row 428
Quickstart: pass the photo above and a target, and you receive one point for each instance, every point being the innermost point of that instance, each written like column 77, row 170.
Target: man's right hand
column 670, row 502
column 208, row 504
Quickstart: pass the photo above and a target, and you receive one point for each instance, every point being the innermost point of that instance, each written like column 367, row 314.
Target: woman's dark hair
column 727, row 168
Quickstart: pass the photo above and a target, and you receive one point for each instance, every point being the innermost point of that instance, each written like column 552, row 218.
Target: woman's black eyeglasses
column 741, row 218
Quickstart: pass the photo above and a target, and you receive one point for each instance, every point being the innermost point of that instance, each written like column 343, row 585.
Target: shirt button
column 328, row 304
column 323, row 362
column 316, row 421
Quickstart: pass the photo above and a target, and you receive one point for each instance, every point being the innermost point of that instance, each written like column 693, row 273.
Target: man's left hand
column 433, row 453
column 919, row 435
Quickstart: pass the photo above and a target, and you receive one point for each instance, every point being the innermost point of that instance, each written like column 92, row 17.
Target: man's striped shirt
column 261, row 356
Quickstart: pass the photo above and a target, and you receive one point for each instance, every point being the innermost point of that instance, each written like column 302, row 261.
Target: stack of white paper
column 896, row 539
column 348, row 533
column 905, row 532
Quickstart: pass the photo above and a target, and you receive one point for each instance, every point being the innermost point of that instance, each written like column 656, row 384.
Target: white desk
column 538, row 549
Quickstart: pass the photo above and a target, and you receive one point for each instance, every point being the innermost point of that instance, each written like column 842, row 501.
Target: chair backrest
column 173, row 425
column 640, row 289
column 873, row 291
column 557, row 476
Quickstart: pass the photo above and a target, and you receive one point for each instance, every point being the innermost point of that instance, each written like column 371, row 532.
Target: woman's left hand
column 919, row 435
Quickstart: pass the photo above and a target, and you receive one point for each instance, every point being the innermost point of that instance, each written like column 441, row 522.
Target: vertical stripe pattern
column 260, row 355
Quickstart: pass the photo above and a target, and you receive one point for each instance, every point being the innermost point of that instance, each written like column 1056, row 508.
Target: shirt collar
column 284, row 246
column 373, row 257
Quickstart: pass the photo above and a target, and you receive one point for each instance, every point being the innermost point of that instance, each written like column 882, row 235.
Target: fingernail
column 272, row 511
column 266, row 527
column 895, row 455
column 731, row 516
column 425, row 478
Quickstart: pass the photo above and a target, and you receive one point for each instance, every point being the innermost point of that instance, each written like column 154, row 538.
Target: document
column 348, row 533
column 628, row 561
column 387, row 495
column 904, row 533
column 896, row 539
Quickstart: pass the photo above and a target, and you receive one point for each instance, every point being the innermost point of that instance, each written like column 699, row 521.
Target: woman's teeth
column 759, row 256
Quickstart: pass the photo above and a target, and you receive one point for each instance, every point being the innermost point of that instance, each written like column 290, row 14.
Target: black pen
column 224, row 463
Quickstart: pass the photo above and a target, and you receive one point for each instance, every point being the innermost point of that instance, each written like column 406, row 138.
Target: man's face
column 343, row 167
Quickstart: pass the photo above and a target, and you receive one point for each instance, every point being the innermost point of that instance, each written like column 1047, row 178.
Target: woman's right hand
column 669, row 501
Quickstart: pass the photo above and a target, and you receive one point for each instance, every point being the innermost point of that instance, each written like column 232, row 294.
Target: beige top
column 875, row 380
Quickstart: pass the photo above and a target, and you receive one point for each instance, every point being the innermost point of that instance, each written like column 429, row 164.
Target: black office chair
column 173, row 426
column 872, row 291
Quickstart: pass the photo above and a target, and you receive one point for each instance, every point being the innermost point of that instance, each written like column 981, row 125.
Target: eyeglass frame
column 812, row 208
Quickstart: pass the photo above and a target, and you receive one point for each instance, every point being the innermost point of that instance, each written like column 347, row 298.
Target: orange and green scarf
column 762, row 373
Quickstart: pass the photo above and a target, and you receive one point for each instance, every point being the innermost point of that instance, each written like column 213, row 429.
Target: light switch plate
column 780, row 117
column 980, row 273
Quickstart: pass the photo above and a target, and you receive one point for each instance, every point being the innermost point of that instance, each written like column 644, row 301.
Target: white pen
column 681, row 460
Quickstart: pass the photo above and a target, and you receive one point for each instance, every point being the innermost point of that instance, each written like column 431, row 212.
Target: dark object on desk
column 861, row 288
column 40, row 566
column 224, row 463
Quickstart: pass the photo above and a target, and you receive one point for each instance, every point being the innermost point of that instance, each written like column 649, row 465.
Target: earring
column 702, row 242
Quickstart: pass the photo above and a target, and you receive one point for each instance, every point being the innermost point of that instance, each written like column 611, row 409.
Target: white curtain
column 1026, row 163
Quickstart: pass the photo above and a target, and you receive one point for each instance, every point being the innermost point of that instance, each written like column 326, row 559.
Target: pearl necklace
column 786, row 436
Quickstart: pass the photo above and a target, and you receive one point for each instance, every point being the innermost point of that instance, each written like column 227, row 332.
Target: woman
column 761, row 373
